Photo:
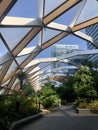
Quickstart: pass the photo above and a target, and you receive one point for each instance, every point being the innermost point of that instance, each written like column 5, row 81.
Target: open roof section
column 28, row 29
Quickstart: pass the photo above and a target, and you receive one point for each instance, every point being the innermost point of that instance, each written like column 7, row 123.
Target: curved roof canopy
column 29, row 28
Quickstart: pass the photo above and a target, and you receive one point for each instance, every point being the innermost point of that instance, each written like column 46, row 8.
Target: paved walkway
column 64, row 119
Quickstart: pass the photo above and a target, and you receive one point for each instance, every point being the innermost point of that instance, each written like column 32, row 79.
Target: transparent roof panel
column 49, row 33
column 0, row 67
column 43, row 65
column 21, row 58
column 45, row 53
column 50, row 5
column 14, row 35
column 33, row 42
column 73, row 40
column 46, row 69
column 3, row 49
column 88, row 12
column 12, row 67
column 67, row 17
column 30, row 7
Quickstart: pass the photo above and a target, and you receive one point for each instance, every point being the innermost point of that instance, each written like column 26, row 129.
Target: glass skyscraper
column 93, row 32
column 60, row 50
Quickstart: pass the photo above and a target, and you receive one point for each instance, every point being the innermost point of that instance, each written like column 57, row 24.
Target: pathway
column 64, row 119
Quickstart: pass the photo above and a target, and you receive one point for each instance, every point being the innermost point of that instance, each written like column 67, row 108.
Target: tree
column 94, row 70
column 48, row 96
column 28, row 90
column 84, row 84
column 21, row 76
column 95, row 75
column 66, row 91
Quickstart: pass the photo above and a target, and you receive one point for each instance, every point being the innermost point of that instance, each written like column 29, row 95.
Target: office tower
column 60, row 50
column 93, row 32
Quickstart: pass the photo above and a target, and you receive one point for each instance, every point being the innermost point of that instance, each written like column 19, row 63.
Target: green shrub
column 83, row 104
column 14, row 108
column 94, row 104
column 78, row 101
column 50, row 102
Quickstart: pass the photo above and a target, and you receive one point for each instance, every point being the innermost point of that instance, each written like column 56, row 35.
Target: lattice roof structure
column 23, row 37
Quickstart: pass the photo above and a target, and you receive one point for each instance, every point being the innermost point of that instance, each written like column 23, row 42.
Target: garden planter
column 25, row 121
column 87, row 111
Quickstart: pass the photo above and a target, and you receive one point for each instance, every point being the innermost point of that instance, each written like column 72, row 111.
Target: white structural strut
column 18, row 21
column 85, row 37
column 43, row 73
column 69, row 55
column 61, row 58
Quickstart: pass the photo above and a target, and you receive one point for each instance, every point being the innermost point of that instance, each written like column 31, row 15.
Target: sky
column 23, row 8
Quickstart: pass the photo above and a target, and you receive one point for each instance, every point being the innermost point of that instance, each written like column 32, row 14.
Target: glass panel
column 0, row 67
column 33, row 42
column 3, row 49
column 73, row 40
column 48, row 34
column 45, row 53
column 14, row 35
column 43, row 65
column 67, row 17
column 89, row 11
column 12, row 67
column 21, row 59
column 46, row 70
column 50, row 5
column 25, row 8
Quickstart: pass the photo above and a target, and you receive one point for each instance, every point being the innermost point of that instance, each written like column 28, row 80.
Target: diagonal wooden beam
column 60, row 10
column 5, row 6
column 85, row 24
column 10, row 84
column 8, row 76
column 33, row 55
column 54, row 39
column 4, row 70
column 30, row 69
column 16, row 88
column 33, row 32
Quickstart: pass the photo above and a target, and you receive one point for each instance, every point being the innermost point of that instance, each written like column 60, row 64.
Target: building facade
column 93, row 32
column 60, row 50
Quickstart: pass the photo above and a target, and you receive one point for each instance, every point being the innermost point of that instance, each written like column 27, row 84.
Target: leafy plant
column 14, row 108
column 84, row 104
column 48, row 97
column 94, row 104
column 84, row 84
column 21, row 76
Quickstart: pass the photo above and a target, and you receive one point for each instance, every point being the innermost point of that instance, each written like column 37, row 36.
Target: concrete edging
column 87, row 111
column 24, row 121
